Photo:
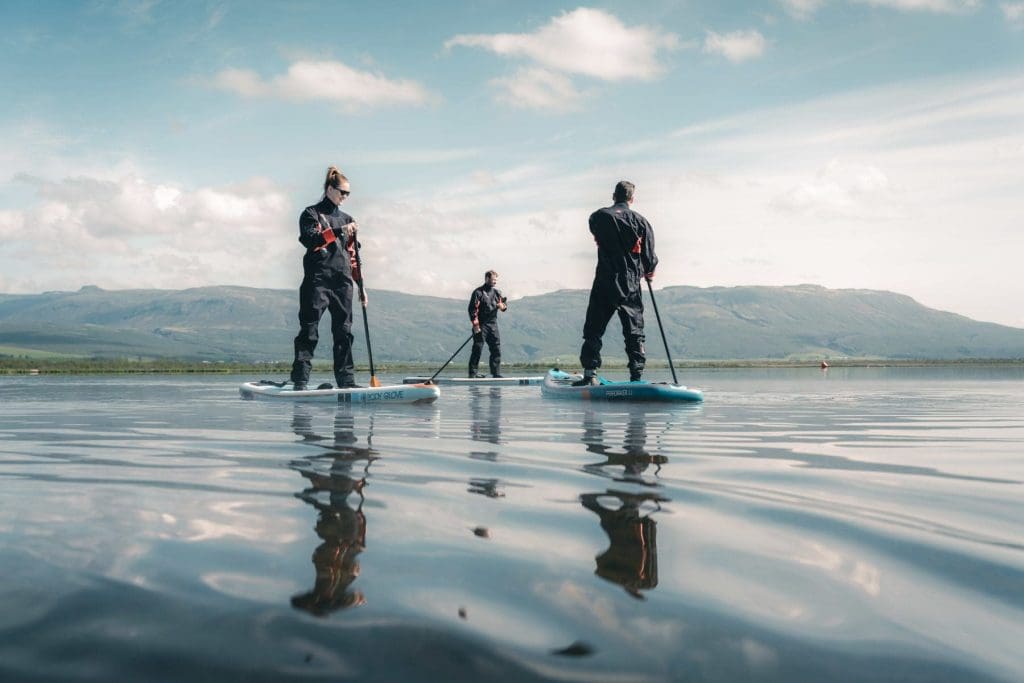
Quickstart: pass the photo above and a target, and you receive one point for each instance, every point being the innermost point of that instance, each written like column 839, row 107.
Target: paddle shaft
column 432, row 377
column 664, row 339
column 374, row 382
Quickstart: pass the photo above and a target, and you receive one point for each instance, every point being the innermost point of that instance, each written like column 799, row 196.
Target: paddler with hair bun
column 329, row 276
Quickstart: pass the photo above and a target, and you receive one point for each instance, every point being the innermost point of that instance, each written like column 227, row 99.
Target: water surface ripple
column 852, row 525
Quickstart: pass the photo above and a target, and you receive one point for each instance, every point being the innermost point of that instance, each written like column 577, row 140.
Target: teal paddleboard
column 558, row 384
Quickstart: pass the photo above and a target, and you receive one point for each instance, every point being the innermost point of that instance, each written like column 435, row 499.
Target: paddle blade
column 374, row 382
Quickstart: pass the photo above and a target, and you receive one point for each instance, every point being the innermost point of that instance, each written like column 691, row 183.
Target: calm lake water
column 848, row 525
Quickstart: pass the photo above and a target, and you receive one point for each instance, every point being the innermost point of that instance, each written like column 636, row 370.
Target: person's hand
column 502, row 306
column 476, row 329
column 649, row 276
column 351, row 229
column 363, row 299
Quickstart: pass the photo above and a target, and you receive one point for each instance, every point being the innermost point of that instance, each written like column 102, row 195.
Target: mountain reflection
column 337, row 477
column 631, row 559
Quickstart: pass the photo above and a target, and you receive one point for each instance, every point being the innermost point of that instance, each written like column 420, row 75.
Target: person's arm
column 474, row 310
column 316, row 234
column 310, row 230
column 502, row 305
column 648, row 258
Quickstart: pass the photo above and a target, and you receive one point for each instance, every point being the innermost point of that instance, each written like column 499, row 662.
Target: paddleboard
column 480, row 381
column 558, row 384
column 399, row 393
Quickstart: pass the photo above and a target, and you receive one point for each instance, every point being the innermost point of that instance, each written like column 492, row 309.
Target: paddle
column 663, row 338
column 449, row 360
column 374, row 382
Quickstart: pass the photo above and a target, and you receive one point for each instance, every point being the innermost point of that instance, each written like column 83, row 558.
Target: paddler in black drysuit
column 625, row 255
column 329, row 274
column 484, row 305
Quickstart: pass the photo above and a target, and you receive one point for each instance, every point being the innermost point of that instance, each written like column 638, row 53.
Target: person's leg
column 493, row 339
column 474, row 354
column 312, row 304
column 631, row 315
column 599, row 312
column 341, row 330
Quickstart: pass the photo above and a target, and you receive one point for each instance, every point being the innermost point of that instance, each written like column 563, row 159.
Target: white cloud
column 1014, row 13
column 536, row 250
column 328, row 81
column 12, row 223
column 737, row 46
column 912, row 188
column 589, row 42
column 841, row 189
column 939, row 6
column 418, row 156
column 802, row 9
column 537, row 88
column 134, row 232
column 216, row 17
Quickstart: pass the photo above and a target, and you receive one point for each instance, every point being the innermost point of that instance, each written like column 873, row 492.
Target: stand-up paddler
column 625, row 255
column 484, row 305
column 329, row 274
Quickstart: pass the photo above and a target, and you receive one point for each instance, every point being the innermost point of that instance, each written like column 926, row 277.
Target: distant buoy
column 824, row 365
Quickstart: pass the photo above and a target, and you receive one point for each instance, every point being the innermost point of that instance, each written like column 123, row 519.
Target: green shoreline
column 23, row 366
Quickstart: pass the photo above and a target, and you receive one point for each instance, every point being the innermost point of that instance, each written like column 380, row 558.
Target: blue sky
column 850, row 143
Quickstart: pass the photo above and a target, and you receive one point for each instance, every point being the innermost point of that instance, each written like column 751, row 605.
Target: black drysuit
column 625, row 254
column 483, row 311
column 327, row 284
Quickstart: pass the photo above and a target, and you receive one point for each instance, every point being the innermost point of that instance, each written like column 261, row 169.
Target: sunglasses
column 343, row 193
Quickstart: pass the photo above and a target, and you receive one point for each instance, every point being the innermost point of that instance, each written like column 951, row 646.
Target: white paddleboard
column 398, row 393
column 480, row 381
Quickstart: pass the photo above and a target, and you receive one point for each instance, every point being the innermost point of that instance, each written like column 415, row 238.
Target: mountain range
column 226, row 323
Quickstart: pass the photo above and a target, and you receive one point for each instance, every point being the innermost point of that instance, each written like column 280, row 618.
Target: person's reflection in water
column 336, row 476
column 485, row 422
column 634, row 459
column 485, row 425
column 631, row 559
column 486, row 487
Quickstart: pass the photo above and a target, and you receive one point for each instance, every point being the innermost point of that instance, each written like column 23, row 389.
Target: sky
column 870, row 144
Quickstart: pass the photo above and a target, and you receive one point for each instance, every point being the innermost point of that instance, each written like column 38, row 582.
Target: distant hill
column 715, row 323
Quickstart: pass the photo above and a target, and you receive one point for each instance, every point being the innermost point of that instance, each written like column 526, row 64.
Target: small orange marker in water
column 824, row 365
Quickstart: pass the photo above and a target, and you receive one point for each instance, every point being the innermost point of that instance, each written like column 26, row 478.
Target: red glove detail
column 636, row 247
column 328, row 236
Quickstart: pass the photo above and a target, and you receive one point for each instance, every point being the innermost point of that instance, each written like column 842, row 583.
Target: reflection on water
column 632, row 457
column 631, row 559
column 856, row 526
column 485, row 417
column 336, row 474
column 485, row 426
